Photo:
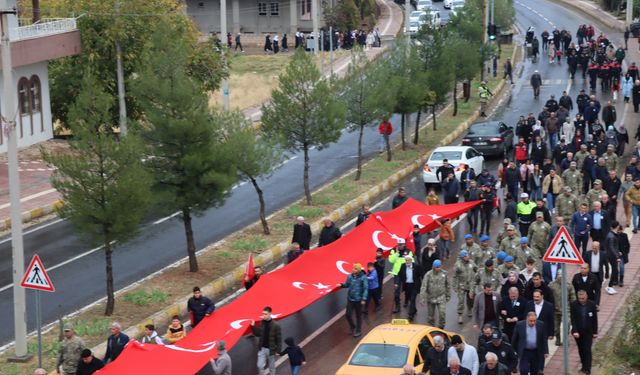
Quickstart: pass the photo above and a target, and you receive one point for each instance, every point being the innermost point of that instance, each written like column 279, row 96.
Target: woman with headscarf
column 267, row 44
column 276, row 47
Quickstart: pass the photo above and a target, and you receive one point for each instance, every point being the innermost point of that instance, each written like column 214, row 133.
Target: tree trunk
column 415, row 134
column 455, row 99
column 111, row 302
column 387, row 144
column 359, row 167
column 433, row 116
column 263, row 218
column 402, row 131
column 191, row 245
column 305, row 178
column 35, row 4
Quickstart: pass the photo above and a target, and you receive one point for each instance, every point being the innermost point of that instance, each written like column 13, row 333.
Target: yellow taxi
column 387, row 348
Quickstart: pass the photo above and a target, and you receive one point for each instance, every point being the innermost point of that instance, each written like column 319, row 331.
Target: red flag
column 249, row 272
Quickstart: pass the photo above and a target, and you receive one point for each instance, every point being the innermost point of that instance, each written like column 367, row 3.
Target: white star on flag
column 321, row 286
column 435, row 216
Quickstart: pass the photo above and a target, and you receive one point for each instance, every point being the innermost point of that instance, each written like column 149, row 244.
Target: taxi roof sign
column 399, row 322
column 36, row 276
column 562, row 249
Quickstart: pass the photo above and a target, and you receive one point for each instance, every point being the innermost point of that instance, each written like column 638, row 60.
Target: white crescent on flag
column 210, row 346
column 298, row 284
column 415, row 221
column 340, row 265
column 376, row 240
column 237, row 324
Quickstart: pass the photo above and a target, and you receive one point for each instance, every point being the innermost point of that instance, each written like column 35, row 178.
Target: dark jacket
column 587, row 325
column 115, row 346
column 602, row 262
column 296, row 356
column 624, row 246
column 450, row 188
column 546, row 315
column 507, row 356
column 362, row 217
column 513, row 311
column 612, row 247
column 502, row 369
column 89, row 368
column 605, row 225
column 566, row 102
column 302, row 235
column 417, row 276
column 199, row 308
column 609, row 115
column 329, row 235
column 519, row 339
column 398, row 200
column 275, row 335
column 591, row 285
column 358, row 286
column 436, row 361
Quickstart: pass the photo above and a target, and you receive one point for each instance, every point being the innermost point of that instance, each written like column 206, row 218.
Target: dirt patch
column 32, row 153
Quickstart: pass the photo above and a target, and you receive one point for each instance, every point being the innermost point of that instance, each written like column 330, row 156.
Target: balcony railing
column 44, row 27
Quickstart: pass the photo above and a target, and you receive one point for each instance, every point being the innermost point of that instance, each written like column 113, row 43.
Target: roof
column 396, row 334
column 452, row 148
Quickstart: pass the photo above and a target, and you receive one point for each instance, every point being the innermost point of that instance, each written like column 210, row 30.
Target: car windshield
column 457, row 4
column 483, row 129
column 380, row 355
column 451, row 155
column 416, row 14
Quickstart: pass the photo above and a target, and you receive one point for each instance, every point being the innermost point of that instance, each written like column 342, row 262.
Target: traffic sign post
column 36, row 278
column 563, row 250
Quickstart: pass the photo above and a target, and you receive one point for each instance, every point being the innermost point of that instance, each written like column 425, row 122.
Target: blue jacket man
column 450, row 189
column 581, row 224
column 115, row 343
column 358, row 291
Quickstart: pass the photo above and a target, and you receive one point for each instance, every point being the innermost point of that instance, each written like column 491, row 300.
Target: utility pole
column 629, row 14
column 485, row 37
column 315, row 14
column 9, row 111
column 407, row 16
column 122, row 106
column 223, row 34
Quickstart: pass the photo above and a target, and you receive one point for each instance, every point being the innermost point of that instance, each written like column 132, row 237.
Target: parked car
column 490, row 138
column 457, row 156
column 447, row 4
column 387, row 348
column 455, row 6
column 425, row 5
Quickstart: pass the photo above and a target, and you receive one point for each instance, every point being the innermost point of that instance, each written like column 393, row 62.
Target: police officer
column 70, row 350
column 523, row 210
column 503, row 350
column 435, row 294
column 397, row 259
column 464, row 274
column 539, row 235
column 567, row 203
column 485, row 94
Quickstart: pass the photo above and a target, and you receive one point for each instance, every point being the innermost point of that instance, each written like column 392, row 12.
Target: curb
column 231, row 279
column 27, row 216
column 608, row 20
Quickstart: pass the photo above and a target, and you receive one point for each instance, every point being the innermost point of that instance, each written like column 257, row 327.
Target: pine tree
column 105, row 187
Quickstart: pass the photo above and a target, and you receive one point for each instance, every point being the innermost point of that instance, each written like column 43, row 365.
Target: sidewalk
column 38, row 197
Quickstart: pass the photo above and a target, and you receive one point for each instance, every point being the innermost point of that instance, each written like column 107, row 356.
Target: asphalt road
column 328, row 351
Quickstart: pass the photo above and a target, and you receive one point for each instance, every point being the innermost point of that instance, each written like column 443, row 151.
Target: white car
column 448, row 4
column 456, row 5
column 457, row 156
column 424, row 5
column 416, row 22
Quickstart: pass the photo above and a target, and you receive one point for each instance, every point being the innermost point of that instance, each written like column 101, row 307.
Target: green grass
column 321, row 200
column 304, row 211
column 344, row 187
column 144, row 298
column 254, row 245
column 259, row 64
column 91, row 328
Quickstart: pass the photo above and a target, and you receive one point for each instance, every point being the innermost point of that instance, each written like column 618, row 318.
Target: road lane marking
column 30, row 197
column 34, row 229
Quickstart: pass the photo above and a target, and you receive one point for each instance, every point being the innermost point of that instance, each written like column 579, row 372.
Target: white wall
column 26, row 138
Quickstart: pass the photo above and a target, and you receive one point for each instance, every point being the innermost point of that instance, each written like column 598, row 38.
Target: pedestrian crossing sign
column 36, row 276
column 562, row 249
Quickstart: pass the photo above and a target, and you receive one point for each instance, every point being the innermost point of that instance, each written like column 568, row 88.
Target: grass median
column 160, row 291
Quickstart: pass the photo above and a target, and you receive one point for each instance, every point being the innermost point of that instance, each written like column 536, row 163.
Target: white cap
column 300, row 218
column 524, row 195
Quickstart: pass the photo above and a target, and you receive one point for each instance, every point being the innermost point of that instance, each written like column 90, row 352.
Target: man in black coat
column 512, row 310
column 436, row 358
column 537, row 282
column 544, row 311
column 530, row 342
column 364, row 215
column 199, row 306
column 400, row 198
column 329, row 233
column 585, row 280
column 410, row 276
column 584, row 328
column 301, row 233
column 88, row 364
column 614, row 256
column 503, row 350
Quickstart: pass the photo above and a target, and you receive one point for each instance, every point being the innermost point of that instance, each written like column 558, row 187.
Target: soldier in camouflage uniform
column 556, row 289
column 488, row 274
column 464, row 274
column 435, row 294
column 486, row 251
column 470, row 246
column 524, row 252
column 510, row 243
column 611, row 158
column 508, row 266
column 567, row 204
column 503, row 232
column 538, row 236
column 572, row 177
column 580, row 156
column 594, row 194
column 70, row 349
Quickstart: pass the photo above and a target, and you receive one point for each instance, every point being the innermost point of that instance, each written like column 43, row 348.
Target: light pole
column 223, row 34
column 9, row 111
column 629, row 14
column 122, row 106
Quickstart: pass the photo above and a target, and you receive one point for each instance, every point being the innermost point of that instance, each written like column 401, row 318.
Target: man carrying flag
column 251, row 274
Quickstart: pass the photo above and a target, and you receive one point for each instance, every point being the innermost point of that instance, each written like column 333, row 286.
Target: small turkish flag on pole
column 249, row 272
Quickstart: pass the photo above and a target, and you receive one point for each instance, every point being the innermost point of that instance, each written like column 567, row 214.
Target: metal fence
column 44, row 27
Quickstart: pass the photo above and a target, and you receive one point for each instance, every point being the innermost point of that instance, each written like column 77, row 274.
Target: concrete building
column 255, row 17
column 33, row 45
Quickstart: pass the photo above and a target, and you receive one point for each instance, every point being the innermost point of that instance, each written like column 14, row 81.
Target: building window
column 23, row 95
column 201, row 5
column 275, row 9
column 35, row 95
column 305, row 10
column 262, row 9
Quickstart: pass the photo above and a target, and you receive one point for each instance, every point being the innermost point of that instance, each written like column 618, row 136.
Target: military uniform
column 504, row 270
column 483, row 277
column 579, row 157
column 435, row 294
column 464, row 274
column 70, row 350
column 510, row 244
column 538, row 238
column 522, row 254
column 501, row 236
column 483, row 255
column 566, row 206
column 556, row 289
column 592, row 196
column 611, row 160
column 473, row 249
column 573, row 179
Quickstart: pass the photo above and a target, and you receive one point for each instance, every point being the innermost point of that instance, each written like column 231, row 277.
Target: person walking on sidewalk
column 358, row 291
column 536, row 82
column 269, row 335
column 238, row 43
column 485, row 94
column 584, row 328
column 385, row 129
column 633, row 195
